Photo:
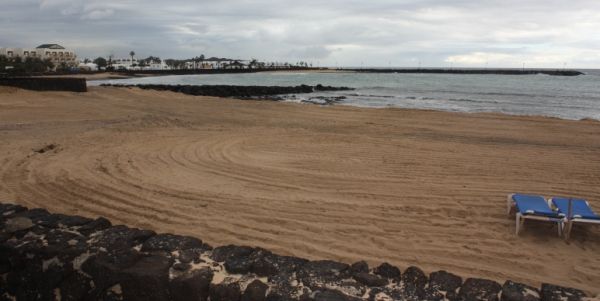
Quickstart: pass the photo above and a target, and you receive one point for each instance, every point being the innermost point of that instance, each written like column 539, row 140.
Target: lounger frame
column 520, row 218
column 570, row 221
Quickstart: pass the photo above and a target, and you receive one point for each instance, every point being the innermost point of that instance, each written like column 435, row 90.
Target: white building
column 123, row 64
column 56, row 53
column 217, row 63
column 134, row 64
column 224, row 63
column 157, row 66
column 88, row 66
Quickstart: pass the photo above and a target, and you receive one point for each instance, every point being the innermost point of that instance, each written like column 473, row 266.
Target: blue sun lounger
column 581, row 212
column 532, row 207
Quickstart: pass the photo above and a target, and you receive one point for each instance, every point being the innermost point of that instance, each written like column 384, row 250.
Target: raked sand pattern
column 404, row 186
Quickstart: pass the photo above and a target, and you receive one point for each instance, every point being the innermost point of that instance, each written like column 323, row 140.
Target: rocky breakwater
column 46, row 256
column 244, row 92
column 555, row 72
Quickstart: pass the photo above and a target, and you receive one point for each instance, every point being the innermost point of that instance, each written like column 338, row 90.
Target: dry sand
column 405, row 186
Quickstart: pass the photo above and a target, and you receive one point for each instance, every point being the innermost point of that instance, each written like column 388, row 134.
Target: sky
column 396, row 33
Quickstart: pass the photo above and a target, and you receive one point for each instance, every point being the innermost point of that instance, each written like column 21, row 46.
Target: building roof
column 51, row 46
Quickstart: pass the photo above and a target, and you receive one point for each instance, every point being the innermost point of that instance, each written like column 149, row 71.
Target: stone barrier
column 234, row 91
column 46, row 83
column 46, row 256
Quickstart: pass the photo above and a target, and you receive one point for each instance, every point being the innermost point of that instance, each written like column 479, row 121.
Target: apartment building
column 56, row 53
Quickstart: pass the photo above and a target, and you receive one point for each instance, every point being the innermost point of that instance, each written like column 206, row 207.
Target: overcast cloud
column 503, row 33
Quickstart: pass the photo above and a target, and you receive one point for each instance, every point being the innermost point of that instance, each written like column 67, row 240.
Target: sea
column 566, row 97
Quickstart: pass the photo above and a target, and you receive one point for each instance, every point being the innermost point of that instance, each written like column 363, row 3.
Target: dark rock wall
column 46, row 83
column 46, row 256
column 235, row 91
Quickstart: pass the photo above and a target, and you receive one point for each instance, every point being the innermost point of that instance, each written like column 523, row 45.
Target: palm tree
column 131, row 53
column 252, row 63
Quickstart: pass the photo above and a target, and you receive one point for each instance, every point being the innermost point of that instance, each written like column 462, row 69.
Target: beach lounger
column 532, row 207
column 580, row 212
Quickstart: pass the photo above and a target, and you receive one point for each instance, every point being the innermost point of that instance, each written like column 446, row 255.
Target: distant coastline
column 101, row 75
column 496, row 71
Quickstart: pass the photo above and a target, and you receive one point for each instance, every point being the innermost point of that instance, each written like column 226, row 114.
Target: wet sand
column 409, row 187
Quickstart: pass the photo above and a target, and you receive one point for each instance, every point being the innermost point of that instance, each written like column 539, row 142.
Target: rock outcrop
column 46, row 256
column 244, row 92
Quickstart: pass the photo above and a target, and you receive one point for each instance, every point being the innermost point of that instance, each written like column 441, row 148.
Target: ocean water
column 556, row 96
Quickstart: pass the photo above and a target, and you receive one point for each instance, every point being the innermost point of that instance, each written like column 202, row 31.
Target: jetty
column 468, row 71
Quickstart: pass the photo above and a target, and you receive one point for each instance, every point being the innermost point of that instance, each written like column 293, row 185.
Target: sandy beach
column 408, row 187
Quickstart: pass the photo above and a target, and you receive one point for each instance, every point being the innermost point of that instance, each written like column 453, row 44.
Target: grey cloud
column 314, row 52
column 348, row 32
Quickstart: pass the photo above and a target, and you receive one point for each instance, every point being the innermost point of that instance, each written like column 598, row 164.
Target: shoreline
column 276, row 97
column 275, row 93
column 406, row 186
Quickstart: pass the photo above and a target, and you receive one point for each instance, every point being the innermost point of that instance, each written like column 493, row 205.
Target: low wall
column 46, row 83
column 47, row 256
